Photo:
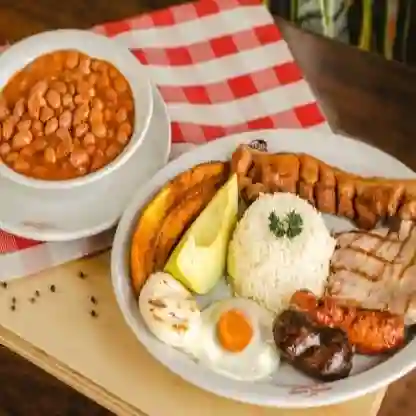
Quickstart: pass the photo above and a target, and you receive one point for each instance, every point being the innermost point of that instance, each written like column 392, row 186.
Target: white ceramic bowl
column 288, row 387
column 98, row 46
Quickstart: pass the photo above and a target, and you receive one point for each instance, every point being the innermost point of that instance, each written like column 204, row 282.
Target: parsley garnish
column 290, row 226
column 276, row 225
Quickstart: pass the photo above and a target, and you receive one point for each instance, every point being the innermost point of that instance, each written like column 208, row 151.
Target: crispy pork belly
column 331, row 190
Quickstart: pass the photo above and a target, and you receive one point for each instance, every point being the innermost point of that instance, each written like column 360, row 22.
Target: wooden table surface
column 362, row 96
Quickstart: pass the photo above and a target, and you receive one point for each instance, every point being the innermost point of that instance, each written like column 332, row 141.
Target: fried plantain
column 151, row 221
column 182, row 216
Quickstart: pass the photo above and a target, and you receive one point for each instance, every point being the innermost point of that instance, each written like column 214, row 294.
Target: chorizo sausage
column 372, row 332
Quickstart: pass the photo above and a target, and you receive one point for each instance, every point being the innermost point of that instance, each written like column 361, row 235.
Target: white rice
column 270, row 269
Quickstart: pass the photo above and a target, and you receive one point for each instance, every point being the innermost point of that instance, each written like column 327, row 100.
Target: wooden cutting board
column 48, row 319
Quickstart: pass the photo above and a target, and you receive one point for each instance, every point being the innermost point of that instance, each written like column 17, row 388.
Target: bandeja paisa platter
column 274, row 268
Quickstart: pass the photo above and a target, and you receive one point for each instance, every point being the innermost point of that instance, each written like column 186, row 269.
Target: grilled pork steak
column 376, row 270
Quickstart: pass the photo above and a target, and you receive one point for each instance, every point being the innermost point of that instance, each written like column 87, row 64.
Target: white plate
column 288, row 388
column 59, row 215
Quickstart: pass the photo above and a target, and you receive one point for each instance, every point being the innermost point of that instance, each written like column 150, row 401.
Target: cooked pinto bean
column 65, row 119
column 72, row 59
column 113, row 73
column 39, row 144
column 102, row 144
column 5, row 149
column 51, row 125
column 81, row 114
column 126, row 127
column 40, row 172
column 113, row 150
column 80, row 99
column 53, row 98
column 79, row 158
column 122, row 137
column 128, row 104
column 50, row 155
column 121, row 115
column 39, row 88
column 84, row 66
column 99, row 160
column 28, row 151
column 120, row 85
column 46, row 113
column 37, row 128
column 95, row 64
column 63, row 133
column 21, row 139
column 24, row 125
column 64, row 149
column 97, row 104
column 4, row 110
column 11, row 157
column 19, row 108
column 77, row 143
column 34, row 104
column 96, row 116
column 81, row 129
column 67, row 100
column 108, row 115
column 92, row 79
column 71, row 89
column 21, row 165
column 82, row 87
column 90, row 150
column 60, row 87
column 89, row 139
column 99, row 130
column 103, row 81
column 8, row 127
column 111, row 95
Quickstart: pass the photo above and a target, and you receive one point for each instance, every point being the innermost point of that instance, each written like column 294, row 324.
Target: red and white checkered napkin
column 222, row 67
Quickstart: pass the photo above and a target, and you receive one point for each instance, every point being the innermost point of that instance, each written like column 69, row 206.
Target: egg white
column 257, row 361
column 170, row 311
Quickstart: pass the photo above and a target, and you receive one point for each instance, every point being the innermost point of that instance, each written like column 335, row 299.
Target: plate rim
column 402, row 362
column 48, row 235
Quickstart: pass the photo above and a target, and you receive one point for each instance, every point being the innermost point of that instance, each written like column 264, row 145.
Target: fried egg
column 170, row 311
column 236, row 340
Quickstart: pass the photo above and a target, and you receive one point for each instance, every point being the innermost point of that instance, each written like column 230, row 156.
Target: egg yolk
column 234, row 331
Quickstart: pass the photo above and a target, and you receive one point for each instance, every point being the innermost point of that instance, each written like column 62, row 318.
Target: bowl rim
column 342, row 390
column 54, row 40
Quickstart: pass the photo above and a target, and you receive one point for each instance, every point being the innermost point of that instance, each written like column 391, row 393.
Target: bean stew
column 64, row 115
